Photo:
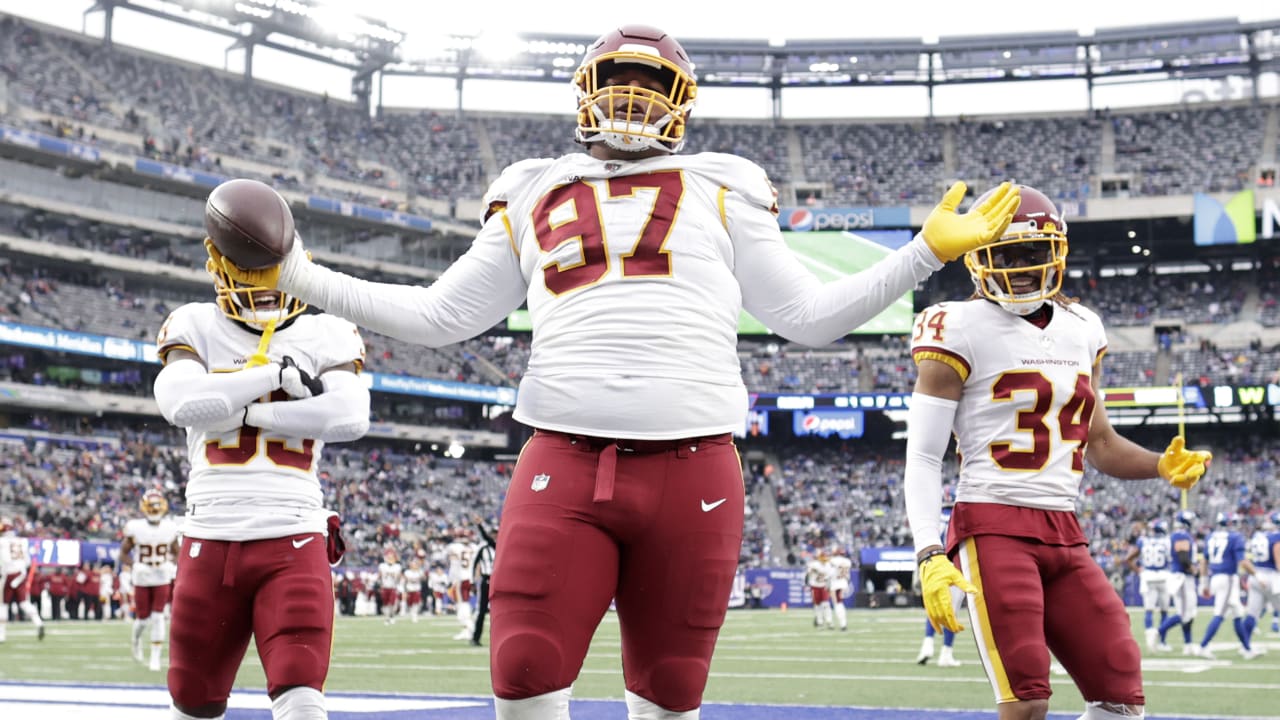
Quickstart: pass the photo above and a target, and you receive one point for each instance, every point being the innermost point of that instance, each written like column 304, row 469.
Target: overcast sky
column 924, row 19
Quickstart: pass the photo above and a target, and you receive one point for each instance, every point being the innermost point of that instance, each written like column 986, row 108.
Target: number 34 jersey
column 247, row 483
column 1023, row 421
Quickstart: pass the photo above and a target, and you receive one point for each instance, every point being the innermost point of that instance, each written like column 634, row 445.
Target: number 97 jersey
column 1023, row 420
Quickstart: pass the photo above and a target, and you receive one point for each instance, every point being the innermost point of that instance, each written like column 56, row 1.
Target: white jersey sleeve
column 1022, row 424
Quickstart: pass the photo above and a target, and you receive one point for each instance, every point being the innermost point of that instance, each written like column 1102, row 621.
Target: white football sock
column 299, row 703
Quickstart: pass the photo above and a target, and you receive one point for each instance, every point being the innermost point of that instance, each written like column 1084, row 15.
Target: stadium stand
column 78, row 475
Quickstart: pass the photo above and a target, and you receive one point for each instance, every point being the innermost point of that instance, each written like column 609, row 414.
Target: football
column 249, row 223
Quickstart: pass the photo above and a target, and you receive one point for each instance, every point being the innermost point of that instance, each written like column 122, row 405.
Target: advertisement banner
column 825, row 423
column 178, row 173
column 803, row 219
column 368, row 212
column 46, row 143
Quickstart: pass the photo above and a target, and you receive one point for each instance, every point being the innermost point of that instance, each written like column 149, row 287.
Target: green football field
column 765, row 656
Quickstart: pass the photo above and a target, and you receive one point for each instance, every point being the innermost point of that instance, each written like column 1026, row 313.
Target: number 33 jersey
column 1023, row 421
column 248, row 483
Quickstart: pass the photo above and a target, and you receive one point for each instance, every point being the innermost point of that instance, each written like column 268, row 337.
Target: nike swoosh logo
column 708, row 507
column 304, row 541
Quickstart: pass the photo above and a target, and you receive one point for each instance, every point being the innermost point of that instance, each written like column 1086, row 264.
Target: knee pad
column 675, row 684
column 299, row 703
column 527, row 665
column 176, row 714
column 548, row 706
column 640, row 709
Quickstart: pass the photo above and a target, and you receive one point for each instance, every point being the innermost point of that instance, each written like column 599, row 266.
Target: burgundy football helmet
column 627, row 117
column 1026, row 266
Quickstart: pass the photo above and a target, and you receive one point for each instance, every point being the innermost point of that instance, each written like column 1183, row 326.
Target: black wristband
column 931, row 554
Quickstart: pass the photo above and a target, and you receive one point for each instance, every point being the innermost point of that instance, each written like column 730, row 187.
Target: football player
column 390, row 574
column 17, row 572
column 150, row 542
column 1225, row 557
column 817, row 575
column 1150, row 559
column 841, row 571
column 260, row 387
column 1014, row 373
column 635, row 262
column 1264, row 585
column 413, row 579
column 1184, row 565
column 460, row 554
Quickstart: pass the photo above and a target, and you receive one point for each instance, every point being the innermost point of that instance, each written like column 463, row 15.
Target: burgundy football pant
column 149, row 599
column 656, row 525
column 1036, row 598
column 277, row 590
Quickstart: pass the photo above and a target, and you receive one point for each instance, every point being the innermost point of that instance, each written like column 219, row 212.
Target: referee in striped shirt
column 481, row 569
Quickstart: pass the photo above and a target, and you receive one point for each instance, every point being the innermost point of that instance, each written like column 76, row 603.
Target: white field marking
column 159, row 697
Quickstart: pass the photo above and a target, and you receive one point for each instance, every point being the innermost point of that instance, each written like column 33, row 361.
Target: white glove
column 298, row 383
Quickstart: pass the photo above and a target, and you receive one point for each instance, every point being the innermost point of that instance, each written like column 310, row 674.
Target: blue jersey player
column 1184, row 564
column 1224, row 555
column 1264, row 580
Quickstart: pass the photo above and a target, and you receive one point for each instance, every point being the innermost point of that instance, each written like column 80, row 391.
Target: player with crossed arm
column 1184, row 564
column 154, row 540
column 636, row 262
column 1150, row 559
column 1015, row 373
column 1225, row 557
column 260, row 387
column 1264, row 582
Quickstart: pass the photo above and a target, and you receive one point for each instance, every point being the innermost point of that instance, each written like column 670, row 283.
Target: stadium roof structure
column 312, row 29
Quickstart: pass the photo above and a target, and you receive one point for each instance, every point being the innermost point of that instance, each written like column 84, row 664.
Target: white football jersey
column 460, row 555
column 841, row 569
column 818, row 574
column 413, row 580
column 152, row 543
column 438, row 581
column 247, row 484
column 1023, row 420
column 635, row 273
column 389, row 575
column 15, row 557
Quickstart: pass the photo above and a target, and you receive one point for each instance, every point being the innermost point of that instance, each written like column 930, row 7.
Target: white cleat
column 1163, row 647
column 137, row 652
column 1205, row 653
column 1249, row 654
column 1190, row 650
column 946, row 659
column 463, row 634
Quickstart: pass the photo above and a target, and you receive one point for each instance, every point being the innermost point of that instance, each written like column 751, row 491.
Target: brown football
column 249, row 223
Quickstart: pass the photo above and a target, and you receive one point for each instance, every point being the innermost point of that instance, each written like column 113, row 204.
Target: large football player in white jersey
column 150, row 542
column 1014, row 373
column 635, row 262
column 260, row 387
column 16, row 576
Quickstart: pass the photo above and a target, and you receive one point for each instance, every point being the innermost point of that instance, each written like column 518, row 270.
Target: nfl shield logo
column 540, row 482
column 195, row 549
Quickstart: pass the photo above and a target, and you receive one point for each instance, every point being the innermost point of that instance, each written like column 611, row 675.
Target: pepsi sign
column 825, row 423
column 803, row 219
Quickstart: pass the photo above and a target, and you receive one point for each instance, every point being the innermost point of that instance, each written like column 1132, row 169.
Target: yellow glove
column 1180, row 467
column 937, row 575
column 259, row 357
column 950, row 235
